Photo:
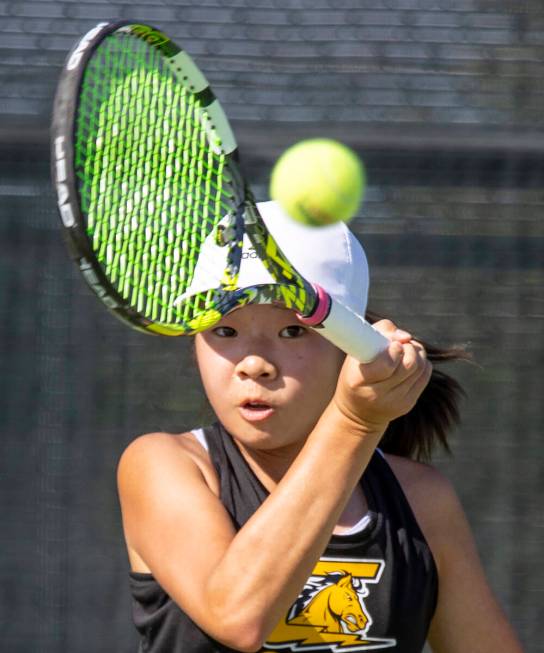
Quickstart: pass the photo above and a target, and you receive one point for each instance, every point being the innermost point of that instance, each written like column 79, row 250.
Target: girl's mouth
column 255, row 411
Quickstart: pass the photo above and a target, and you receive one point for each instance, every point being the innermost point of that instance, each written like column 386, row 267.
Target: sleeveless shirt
column 373, row 589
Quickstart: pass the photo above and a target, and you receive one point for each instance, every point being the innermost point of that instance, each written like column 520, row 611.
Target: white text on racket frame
column 80, row 48
column 63, row 192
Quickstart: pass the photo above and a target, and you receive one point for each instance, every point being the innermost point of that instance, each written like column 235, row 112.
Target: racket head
column 144, row 166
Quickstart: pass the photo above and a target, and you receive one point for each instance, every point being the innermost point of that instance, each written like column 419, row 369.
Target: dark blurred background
column 444, row 101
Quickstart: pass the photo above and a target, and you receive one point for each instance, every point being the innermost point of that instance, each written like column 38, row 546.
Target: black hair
column 426, row 426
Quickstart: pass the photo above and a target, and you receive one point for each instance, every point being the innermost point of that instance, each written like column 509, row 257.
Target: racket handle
column 347, row 330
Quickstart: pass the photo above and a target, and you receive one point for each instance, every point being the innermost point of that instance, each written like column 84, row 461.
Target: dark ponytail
column 416, row 434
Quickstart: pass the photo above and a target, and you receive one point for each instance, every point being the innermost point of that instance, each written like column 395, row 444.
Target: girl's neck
column 269, row 466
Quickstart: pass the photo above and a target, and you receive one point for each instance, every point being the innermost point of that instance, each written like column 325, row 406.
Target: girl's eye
column 225, row 332
column 292, row 331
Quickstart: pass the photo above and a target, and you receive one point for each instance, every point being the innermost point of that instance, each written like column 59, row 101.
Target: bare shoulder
column 467, row 611
column 422, row 483
column 433, row 500
column 166, row 482
column 164, row 453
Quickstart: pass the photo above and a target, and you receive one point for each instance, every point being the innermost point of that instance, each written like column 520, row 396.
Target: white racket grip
column 352, row 333
column 347, row 330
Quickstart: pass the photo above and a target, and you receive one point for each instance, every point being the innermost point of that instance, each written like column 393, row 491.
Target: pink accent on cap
column 320, row 311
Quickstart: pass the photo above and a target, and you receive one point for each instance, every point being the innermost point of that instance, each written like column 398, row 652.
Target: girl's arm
column 468, row 617
column 236, row 585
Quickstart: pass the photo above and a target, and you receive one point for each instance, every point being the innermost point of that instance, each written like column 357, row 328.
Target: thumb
column 390, row 330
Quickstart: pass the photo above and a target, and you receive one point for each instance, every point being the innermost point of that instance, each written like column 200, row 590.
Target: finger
column 419, row 347
column 413, row 362
column 390, row 330
column 383, row 367
column 416, row 385
column 401, row 336
column 414, row 357
column 408, row 392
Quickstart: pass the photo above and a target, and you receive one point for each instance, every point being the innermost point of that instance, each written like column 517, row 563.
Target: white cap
column 330, row 256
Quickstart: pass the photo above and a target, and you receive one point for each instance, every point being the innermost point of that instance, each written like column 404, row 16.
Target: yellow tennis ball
column 318, row 182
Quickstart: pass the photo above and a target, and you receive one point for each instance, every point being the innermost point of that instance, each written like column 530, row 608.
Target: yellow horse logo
column 335, row 606
column 330, row 613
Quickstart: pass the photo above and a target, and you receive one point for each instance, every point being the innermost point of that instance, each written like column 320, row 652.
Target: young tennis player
column 289, row 525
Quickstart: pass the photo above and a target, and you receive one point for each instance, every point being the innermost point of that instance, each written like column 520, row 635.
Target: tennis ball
column 318, row 182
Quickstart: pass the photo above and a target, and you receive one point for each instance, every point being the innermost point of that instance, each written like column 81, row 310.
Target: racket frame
column 64, row 179
column 69, row 202
column 314, row 306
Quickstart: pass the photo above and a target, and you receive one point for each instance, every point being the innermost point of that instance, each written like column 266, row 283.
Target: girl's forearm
column 272, row 556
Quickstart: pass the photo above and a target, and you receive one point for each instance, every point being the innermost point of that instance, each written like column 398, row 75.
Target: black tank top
column 374, row 589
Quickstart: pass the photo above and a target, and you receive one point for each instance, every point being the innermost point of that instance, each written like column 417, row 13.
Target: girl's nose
column 256, row 367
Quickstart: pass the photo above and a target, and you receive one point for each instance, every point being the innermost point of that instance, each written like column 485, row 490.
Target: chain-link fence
column 444, row 101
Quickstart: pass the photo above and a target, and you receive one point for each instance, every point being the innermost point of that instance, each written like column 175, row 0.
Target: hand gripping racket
column 154, row 206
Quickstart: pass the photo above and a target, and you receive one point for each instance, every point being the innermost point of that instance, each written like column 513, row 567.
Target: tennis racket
column 152, row 201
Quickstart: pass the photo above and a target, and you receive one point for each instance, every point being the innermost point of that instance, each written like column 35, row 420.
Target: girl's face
column 267, row 377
